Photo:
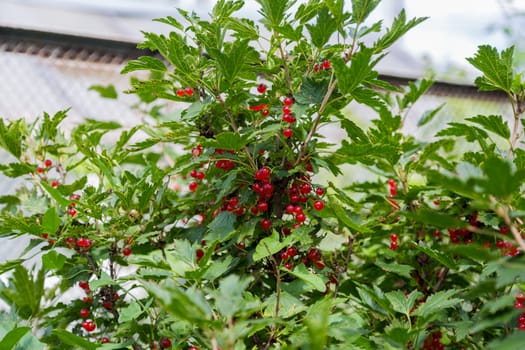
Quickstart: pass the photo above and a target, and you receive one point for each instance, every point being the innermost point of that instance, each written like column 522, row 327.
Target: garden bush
column 235, row 222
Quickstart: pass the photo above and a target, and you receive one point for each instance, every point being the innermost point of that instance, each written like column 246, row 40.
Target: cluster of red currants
column 184, row 92
column 519, row 304
column 325, row 65
column 393, row 241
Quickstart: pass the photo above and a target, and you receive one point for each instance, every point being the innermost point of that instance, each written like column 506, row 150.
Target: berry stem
column 517, row 110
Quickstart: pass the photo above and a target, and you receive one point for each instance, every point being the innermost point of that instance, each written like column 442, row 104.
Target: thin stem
column 316, row 123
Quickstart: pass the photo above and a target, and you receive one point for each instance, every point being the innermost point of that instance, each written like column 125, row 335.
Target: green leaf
column 414, row 91
column 317, row 323
column 399, row 27
column 361, row 9
column 73, row 340
column 343, row 216
column 13, row 337
column 16, row 169
column 500, row 180
column 144, row 63
column 231, row 62
column 429, row 115
column 270, row 245
column 437, row 302
column 53, row 260
column 311, row 92
column 323, row 29
column 129, row 313
column 50, row 221
column 493, row 123
column 55, row 194
column 274, row 12
column 441, row 257
column 511, row 342
column 472, row 133
column 229, row 297
column 221, row 227
column 348, row 78
column 105, row 91
column 496, row 68
column 187, row 304
column 12, row 136
column 399, row 269
column 104, row 280
column 436, row 218
column 50, row 126
column 401, row 302
column 230, row 141
column 315, row 281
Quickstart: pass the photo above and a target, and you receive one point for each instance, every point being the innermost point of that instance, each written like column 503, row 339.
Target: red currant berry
column 84, row 313
column 83, row 284
column 265, row 112
column 289, row 208
column 39, row 170
column 286, row 231
column 520, row 296
column 126, row 251
column 327, row 64
column 266, row 224
column 287, row 110
column 188, row 91
column 288, row 101
column 518, row 305
column 292, row 251
column 318, row 205
column 55, row 183
column 289, row 118
column 393, row 237
column 288, row 266
column 504, row 229
column 261, row 88
column 89, row 326
column 393, row 245
column 48, row 163
column 165, row 343
column 199, row 254
column 287, row 133
column 193, row 186
column 104, row 340
column 299, row 218
column 319, row 264
column 72, row 212
column 200, row 175
column 284, row 255
column 263, row 173
column 262, row 206
column 314, row 254
column 87, row 300
column 306, row 188
column 107, row 305
column 193, row 173
column 180, row 92
column 319, row 191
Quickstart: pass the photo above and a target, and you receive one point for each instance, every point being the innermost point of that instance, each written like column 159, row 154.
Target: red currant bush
column 231, row 217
